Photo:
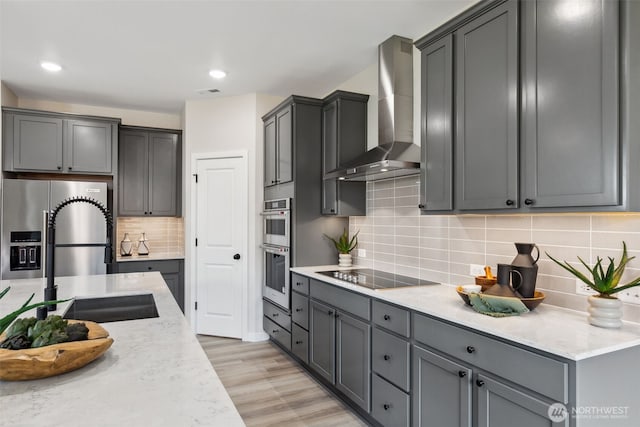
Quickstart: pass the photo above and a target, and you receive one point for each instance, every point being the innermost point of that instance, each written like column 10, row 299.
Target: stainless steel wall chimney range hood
column 396, row 154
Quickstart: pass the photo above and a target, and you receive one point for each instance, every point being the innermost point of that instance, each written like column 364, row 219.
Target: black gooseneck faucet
column 51, row 291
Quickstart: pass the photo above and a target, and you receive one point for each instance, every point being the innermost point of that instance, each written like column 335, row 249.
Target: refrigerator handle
column 45, row 227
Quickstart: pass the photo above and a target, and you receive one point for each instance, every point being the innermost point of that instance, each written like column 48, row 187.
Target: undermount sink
column 112, row 309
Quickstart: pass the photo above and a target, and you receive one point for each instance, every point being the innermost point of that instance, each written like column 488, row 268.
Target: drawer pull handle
column 337, row 315
column 298, row 342
column 298, row 310
column 149, row 268
column 509, row 202
column 421, row 206
column 471, row 349
column 528, row 202
column 275, row 331
column 479, row 383
column 59, row 167
column 386, row 357
column 386, row 406
column 298, row 283
column 330, row 312
column 462, row 374
column 386, row 317
column 275, row 314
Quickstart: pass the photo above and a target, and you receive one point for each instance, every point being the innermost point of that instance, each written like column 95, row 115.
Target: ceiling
column 154, row 54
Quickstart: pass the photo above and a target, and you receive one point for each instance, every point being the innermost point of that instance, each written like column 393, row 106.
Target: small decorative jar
column 143, row 245
column 126, row 246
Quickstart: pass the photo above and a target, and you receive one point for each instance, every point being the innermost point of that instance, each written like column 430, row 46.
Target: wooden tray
column 42, row 362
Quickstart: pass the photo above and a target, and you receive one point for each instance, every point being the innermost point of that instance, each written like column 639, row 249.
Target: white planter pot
column 605, row 312
column 344, row 260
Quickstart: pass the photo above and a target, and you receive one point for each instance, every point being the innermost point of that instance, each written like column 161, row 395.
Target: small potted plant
column 344, row 245
column 605, row 309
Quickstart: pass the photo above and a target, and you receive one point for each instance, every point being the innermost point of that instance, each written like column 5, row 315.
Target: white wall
column 230, row 124
column 129, row 117
column 7, row 97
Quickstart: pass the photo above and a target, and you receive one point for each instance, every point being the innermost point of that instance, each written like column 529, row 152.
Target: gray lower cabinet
column 36, row 141
column 436, row 164
column 300, row 343
column 277, row 324
column 340, row 351
column 486, row 80
column 441, row 391
column 149, row 172
column 172, row 272
column 389, row 405
column 570, row 120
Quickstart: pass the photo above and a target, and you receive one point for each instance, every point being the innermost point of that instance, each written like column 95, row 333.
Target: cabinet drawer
column 391, row 358
column 390, row 406
column 168, row 266
column 276, row 314
column 300, row 343
column 539, row 373
column 340, row 298
column 300, row 283
column 392, row 318
column 300, row 309
column 276, row 332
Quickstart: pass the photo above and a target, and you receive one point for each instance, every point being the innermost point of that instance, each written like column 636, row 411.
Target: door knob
column 236, row 256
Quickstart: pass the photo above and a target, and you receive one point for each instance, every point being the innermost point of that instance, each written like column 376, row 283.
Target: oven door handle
column 274, row 250
column 276, row 214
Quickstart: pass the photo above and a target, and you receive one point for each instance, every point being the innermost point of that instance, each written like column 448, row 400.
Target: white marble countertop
column 555, row 330
column 153, row 256
column 154, row 374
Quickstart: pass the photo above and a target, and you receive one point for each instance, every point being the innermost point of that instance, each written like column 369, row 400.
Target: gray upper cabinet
column 36, row 141
column 436, row 165
column 570, row 135
column 88, row 146
column 344, row 137
column 486, row 79
column 278, row 156
column 149, row 172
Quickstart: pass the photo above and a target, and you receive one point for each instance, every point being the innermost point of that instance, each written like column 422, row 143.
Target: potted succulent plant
column 344, row 245
column 605, row 309
column 9, row 318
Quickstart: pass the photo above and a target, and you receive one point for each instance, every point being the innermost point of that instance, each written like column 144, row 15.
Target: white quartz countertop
column 154, row 374
column 153, row 256
column 555, row 330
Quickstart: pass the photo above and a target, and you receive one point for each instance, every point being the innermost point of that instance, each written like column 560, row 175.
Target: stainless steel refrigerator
column 80, row 228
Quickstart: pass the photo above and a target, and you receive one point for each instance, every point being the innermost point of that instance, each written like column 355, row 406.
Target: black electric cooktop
column 375, row 279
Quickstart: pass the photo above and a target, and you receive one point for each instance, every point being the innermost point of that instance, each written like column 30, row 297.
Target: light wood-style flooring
column 270, row 389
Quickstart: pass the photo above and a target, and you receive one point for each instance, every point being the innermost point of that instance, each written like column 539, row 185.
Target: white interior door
column 221, row 232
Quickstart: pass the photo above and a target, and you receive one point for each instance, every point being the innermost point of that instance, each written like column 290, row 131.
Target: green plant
column 9, row 318
column 343, row 244
column 603, row 282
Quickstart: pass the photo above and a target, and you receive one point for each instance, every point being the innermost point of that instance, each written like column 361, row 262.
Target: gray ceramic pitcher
column 525, row 264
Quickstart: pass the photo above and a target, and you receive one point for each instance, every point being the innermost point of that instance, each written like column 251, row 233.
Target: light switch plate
column 362, row 253
column 476, row 270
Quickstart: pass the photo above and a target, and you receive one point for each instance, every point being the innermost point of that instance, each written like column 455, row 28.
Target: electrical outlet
column 630, row 296
column 362, row 253
column 583, row 289
column 476, row 270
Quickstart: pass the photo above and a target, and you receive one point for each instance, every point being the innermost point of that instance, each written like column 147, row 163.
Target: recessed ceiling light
column 217, row 74
column 50, row 66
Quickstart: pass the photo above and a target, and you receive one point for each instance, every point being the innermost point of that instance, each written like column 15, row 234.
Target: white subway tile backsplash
column 441, row 247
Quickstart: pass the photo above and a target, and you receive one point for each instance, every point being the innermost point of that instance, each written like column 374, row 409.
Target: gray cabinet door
column 441, row 391
column 322, row 331
column 284, row 138
column 570, row 134
column 500, row 405
column 176, row 286
column 487, row 110
column 436, row 167
column 353, row 359
column 163, row 175
column 88, row 147
column 270, row 152
column 37, row 143
column 133, row 172
column 329, row 157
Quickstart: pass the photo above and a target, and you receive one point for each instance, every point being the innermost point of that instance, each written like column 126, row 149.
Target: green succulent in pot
column 343, row 244
column 605, row 282
column 9, row 318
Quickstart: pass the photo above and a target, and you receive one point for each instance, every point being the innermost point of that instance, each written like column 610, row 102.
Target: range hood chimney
column 396, row 154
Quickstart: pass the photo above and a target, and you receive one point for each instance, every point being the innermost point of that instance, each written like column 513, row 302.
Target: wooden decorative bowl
column 530, row 303
column 42, row 362
column 485, row 283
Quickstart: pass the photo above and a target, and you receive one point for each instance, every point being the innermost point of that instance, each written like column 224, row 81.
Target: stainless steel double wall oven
column 276, row 246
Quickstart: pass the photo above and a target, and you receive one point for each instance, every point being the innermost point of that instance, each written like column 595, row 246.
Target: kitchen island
column 154, row 374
